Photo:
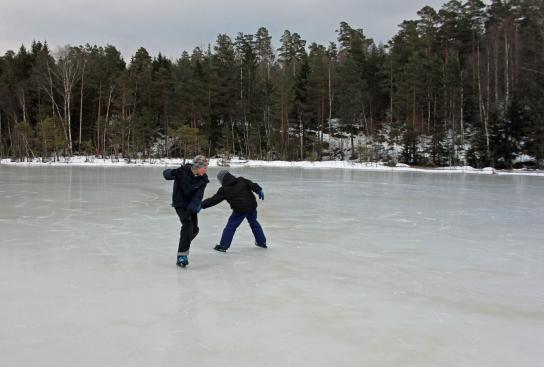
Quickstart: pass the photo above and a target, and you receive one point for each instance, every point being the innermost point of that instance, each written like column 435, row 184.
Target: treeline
column 464, row 84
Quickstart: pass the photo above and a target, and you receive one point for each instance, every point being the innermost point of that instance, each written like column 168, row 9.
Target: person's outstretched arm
column 214, row 200
column 168, row 174
column 255, row 188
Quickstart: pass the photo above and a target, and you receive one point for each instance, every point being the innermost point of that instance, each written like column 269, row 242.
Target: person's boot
column 183, row 261
column 220, row 248
column 261, row 245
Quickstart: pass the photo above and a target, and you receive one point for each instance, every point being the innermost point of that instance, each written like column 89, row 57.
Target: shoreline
column 82, row 161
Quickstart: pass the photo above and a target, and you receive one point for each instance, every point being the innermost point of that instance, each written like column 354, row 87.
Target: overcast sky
column 170, row 26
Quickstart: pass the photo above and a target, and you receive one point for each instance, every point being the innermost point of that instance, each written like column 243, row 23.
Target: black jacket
column 237, row 191
column 188, row 188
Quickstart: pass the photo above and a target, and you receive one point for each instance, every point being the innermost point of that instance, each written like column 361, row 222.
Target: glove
column 167, row 174
column 198, row 208
column 261, row 195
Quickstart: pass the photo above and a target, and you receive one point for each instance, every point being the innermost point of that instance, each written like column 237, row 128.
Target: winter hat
column 221, row 174
column 199, row 161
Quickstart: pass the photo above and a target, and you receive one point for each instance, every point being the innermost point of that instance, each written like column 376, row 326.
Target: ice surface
column 363, row 269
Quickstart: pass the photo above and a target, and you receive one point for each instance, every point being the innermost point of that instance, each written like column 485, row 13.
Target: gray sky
column 169, row 26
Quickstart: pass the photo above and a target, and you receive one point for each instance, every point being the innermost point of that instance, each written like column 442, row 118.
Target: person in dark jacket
column 190, row 182
column 238, row 192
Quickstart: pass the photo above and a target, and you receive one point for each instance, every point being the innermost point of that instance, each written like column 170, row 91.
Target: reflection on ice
column 364, row 268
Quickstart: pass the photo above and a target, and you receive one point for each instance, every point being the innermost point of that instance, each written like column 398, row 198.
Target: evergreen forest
column 459, row 85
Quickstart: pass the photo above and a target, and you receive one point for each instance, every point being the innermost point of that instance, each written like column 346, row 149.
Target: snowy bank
column 370, row 166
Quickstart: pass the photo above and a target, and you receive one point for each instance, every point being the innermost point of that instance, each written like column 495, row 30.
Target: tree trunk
column 482, row 109
column 365, row 121
column 22, row 102
column 233, row 139
column 167, row 122
column 506, row 72
column 454, row 132
column 352, row 144
column 269, row 128
column 106, row 122
column 301, row 127
column 81, row 109
column 265, row 125
column 496, row 73
column 98, row 118
column 54, row 106
column 69, row 71
column 371, row 122
column 68, row 115
column 488, row 82
column 461, row 113
column 391, row 95
column 282, row 126
column 321, row 123
column 414, row 111
column 260, row 144
column 515, row 58
column 429, row 101
column 124, row 117
column 330, row 110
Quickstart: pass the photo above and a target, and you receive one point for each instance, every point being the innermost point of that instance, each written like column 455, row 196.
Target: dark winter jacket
column 188, row 187
column 237, row 191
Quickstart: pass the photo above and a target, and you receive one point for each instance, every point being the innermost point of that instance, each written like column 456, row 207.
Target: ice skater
column 238, row 192
column 190, row 182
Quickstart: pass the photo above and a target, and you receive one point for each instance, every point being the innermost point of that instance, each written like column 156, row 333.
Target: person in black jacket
column 238, row 192
column 190, row 182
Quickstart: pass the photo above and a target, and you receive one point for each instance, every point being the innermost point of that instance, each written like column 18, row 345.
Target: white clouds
column 172, row 26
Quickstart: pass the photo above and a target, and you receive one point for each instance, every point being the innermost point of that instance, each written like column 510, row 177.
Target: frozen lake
column 363, row 269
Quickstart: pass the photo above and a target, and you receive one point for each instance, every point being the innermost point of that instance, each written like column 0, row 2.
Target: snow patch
column 371, row 166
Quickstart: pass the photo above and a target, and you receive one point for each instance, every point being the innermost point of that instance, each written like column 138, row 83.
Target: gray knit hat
column 199, row 161
column 221, row 174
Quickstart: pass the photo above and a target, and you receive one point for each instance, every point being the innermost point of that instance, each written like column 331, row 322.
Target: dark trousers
column 189, row 229
column 234, row 221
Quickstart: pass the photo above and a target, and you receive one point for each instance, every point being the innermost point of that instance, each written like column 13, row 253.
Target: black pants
column 189, row 229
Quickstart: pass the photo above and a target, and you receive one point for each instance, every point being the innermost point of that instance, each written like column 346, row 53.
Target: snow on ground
column 370, row 166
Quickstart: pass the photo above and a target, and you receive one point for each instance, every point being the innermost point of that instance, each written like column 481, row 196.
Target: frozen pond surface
column 363, row 269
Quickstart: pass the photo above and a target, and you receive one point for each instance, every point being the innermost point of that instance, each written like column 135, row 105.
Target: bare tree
column 81, row 105
column 483, row 111
column 58, row 81
column 68, row 69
